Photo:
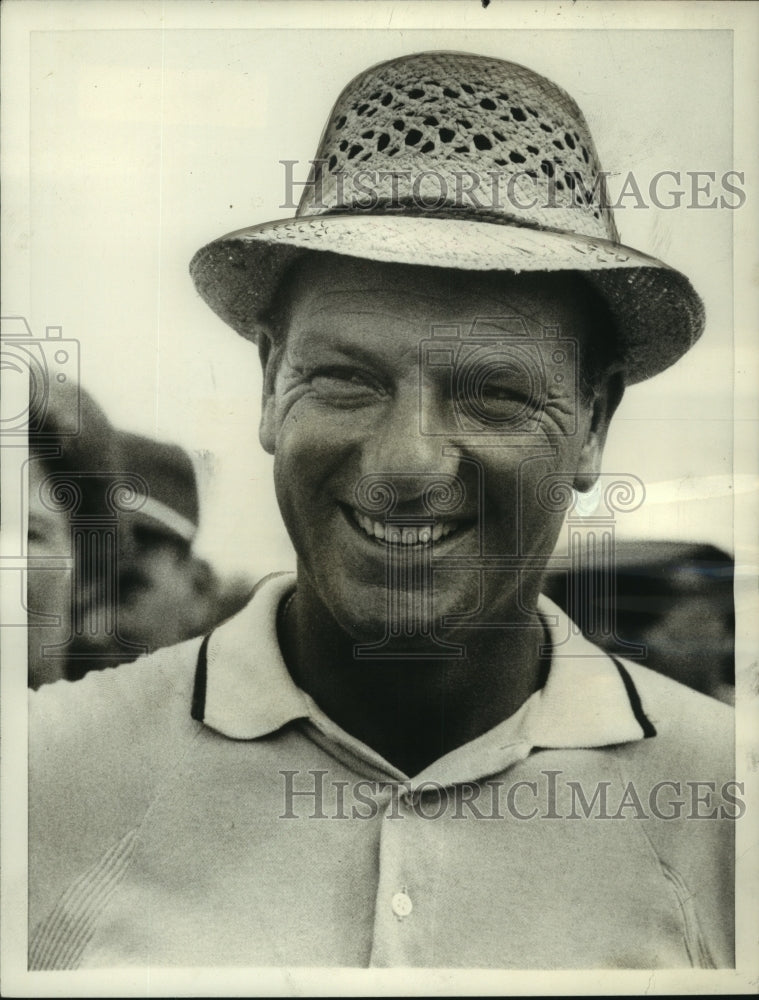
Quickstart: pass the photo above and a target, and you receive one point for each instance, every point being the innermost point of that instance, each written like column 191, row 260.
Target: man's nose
column 412, row 443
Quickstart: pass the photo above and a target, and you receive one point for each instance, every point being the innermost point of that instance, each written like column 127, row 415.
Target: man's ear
column 268, row 354
column 605, row 401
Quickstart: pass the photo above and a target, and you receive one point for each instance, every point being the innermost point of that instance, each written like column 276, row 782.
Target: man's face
column 395, row 378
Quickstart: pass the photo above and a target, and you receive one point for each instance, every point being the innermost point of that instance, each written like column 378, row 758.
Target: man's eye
column 498, row 406
column 491, row 394
column 344, row 384
column 502, row 393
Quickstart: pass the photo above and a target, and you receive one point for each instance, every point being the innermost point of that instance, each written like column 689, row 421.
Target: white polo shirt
column 196, row 808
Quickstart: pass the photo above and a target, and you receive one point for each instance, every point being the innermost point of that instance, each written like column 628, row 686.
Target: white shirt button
column 401, row 904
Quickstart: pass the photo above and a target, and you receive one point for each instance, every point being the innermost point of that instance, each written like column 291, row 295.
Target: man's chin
column 404, row 622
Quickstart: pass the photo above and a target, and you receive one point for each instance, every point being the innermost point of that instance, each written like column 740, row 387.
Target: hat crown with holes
column 455, row 160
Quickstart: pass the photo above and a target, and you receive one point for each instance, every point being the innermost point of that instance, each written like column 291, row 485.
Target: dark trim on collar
column 244, row 691
column 201, row 680
column 635, row 704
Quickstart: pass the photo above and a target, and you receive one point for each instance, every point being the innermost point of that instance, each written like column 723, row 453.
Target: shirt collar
column 588, row 700
column 248, row 690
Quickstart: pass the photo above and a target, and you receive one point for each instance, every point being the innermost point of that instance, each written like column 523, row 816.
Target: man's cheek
column 300, row 436
column 287, row 404
column 320, row 433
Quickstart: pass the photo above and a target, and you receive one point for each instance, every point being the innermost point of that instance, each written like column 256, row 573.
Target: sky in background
column 146, row 144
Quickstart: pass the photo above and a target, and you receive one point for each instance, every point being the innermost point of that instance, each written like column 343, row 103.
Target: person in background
column 674, row 598
column 93, row 604
column 166, row 593
column 71, row 452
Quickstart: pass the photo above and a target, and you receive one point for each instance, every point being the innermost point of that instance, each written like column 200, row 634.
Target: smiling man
column 403, row 754
column 352, row 398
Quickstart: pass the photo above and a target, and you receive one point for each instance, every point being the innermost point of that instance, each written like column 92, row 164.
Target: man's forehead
column 328, row 286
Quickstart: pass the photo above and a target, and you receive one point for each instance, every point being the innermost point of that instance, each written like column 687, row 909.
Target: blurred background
column 146, row 144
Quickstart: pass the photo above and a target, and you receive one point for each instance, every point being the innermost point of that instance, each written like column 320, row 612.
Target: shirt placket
column 410, row 864
column 416, row 859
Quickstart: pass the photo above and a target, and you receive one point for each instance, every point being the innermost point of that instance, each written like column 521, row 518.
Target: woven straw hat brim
column 658, row 314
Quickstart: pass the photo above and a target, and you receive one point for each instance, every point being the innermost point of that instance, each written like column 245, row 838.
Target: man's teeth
column 399, row 535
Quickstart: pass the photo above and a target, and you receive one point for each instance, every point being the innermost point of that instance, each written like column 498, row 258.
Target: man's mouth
column 391, row 533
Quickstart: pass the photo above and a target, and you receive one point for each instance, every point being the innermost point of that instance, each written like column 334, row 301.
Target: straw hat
column 449, row 159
